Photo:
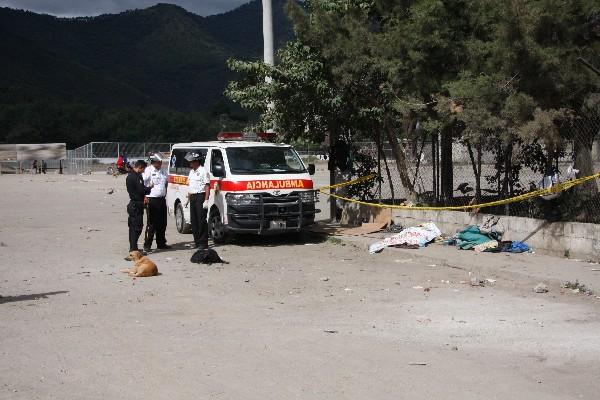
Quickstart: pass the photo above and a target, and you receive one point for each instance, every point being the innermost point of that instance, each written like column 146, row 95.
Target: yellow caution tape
column 559, row 187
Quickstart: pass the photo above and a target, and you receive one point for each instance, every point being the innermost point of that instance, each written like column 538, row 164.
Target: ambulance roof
column 223, row 144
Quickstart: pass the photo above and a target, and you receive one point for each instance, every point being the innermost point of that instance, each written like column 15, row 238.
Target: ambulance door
column 217, row 198
column 177, row 190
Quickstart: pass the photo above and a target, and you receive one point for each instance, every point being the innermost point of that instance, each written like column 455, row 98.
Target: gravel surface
column 320, row 319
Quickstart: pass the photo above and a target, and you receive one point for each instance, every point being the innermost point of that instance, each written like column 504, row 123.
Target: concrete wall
column 578, row 239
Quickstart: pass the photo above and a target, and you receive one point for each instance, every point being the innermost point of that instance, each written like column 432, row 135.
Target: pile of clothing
column 412, row 238
column 475, row 238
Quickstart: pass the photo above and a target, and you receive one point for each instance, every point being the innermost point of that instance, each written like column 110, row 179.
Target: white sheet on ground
column 419, row 235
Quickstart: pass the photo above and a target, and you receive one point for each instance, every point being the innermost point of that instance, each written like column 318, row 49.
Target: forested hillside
column 161, row 60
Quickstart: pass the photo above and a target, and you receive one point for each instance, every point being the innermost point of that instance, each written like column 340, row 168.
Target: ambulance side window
column 179, row 165
column 216, row 157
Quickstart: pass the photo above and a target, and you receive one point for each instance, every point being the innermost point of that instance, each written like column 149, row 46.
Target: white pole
column 268, row 41
column 268, row 32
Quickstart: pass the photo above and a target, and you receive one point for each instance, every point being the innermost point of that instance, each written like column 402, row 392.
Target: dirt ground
column 284, row 319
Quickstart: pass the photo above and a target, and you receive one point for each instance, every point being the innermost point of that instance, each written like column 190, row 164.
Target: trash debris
column 325, row 279
column 417, row 287
column 490, row 281
column 541, row 288
column 364, row 229
column 247, row 280
column 577, row 287
column 111, row 191
column 330, row 331
column 393, row 228
column 491, row 244
column 414, row 236
column 475, row 281
column 518, row 247
column 417, row 363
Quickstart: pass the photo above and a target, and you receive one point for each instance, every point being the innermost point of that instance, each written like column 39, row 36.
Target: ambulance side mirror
column 311, row 169
column 218, row 170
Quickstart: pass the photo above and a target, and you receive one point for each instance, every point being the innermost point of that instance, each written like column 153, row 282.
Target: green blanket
column 471, row 237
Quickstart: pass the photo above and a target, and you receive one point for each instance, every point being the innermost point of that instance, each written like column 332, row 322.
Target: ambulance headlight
column 242, row 199
column 309, row 196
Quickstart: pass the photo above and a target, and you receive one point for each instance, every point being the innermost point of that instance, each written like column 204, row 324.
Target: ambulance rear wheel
column 182, row 225
column 217, row 230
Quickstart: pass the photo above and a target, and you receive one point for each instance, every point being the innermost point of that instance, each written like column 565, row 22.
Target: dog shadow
column 27, row 297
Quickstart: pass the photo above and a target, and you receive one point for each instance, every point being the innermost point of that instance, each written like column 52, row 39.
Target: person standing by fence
column 156, row 222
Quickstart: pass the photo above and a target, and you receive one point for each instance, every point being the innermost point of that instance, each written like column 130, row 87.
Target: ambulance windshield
column 264, row 160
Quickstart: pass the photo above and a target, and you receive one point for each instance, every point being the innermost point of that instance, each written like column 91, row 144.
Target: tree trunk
column 476, row 164
column 447, row 172
column 582, row 160
column 332, row 167
column 387, row 167
column 400, row 158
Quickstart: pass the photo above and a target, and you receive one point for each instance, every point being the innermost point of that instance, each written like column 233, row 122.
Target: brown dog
column 142, row 266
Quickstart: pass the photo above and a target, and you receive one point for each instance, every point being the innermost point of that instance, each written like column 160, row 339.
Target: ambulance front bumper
column 271, row 215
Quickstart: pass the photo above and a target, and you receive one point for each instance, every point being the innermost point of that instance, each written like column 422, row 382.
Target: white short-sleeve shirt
column 158, row 177
column 197, row 180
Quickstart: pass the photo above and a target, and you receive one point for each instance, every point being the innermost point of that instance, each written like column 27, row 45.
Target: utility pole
column 268, row 42
column 268, row 32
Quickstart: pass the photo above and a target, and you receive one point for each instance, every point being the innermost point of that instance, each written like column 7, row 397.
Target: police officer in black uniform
column 135, row 209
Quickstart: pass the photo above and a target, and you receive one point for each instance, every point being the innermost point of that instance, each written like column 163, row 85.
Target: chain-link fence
column 100, row 156
column 434, row 170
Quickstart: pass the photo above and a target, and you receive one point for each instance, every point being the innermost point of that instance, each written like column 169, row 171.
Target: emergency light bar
column 249, row 136
column 230, row 136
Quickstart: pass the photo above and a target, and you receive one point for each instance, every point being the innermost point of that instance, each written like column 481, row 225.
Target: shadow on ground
column 27, row 297
column 287, row 239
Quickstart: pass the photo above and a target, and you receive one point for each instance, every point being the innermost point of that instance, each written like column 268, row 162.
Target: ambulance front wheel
column 182, row 225
column 218, row 231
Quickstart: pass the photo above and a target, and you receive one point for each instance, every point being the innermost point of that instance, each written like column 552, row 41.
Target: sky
column 79, row 8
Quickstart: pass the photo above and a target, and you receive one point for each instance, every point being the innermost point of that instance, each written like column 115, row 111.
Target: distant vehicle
column 256, row 186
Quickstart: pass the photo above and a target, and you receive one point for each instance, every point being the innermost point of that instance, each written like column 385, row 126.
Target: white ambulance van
column 256, row 186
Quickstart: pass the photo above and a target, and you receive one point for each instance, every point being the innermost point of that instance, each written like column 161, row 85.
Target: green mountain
column 162, row 57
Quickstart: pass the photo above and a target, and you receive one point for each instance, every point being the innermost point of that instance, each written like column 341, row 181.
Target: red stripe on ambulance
column 240, row 186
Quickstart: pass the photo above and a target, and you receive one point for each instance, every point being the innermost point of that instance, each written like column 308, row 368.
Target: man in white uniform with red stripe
column 156, row 204
column 198, row 193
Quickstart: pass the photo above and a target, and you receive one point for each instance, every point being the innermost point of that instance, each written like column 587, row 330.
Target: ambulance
column 257, row 186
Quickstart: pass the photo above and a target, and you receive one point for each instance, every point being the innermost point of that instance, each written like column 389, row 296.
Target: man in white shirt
column 198, row 193
column 156, row 204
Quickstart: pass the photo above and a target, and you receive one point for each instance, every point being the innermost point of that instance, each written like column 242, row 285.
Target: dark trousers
column 157, row 222
column 135, row 210
column 198, row 219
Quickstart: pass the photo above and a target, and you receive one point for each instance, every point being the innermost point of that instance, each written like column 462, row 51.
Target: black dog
column 206, row 256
